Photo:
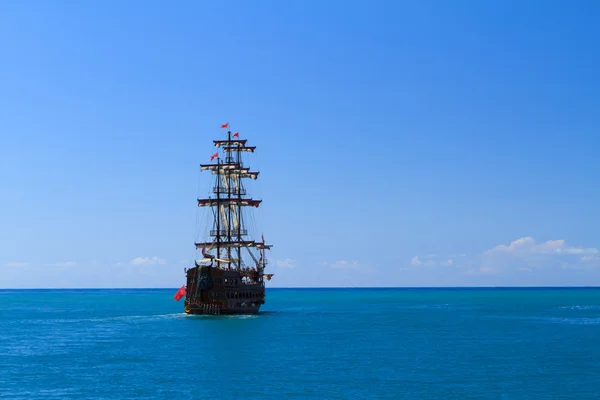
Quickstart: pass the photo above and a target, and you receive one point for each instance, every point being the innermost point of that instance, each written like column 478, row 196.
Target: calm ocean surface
column 308, row 343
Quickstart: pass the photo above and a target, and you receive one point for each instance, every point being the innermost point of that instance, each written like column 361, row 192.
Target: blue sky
column 399, row 143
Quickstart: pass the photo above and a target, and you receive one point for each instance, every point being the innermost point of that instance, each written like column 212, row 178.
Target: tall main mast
column 228, row 180
column 239, row 207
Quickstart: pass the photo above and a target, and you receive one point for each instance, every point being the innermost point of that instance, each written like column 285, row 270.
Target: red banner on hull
column 180, row 293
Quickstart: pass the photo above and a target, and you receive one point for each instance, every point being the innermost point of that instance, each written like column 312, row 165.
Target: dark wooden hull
column 217, row 291
column 216, row 310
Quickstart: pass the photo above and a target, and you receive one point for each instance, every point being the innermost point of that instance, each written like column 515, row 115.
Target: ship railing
column 223, row 232
column 229, row 160
column 232, row 160
column 233, row 191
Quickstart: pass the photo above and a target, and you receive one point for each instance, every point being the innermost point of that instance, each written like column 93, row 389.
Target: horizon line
column 328, row 287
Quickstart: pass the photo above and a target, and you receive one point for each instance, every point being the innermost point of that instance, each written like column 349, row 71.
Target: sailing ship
column 229, row 277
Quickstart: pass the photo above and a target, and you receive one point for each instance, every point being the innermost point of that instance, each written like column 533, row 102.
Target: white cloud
column 482, row 271
column 147, row 261
column 528, row 246
column 487, row 270
column 55, row 264
column 345, row 264
column 16, row 264
column 525, row 254
column 62, row 264
column 416, row 260
column 285, row 263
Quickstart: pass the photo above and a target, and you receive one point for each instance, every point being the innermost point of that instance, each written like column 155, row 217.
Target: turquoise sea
column 307, row 344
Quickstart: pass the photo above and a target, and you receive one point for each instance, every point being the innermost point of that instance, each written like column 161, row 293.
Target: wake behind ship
column 229, row 278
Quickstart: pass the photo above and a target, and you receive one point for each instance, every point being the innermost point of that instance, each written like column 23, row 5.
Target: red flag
column 225, row 125
column 237, row 134
column 180, row 293
column 214, row 156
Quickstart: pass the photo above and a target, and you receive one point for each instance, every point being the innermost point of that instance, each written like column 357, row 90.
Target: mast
column 228, row 160
column 239, row 209
column 218, row 216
